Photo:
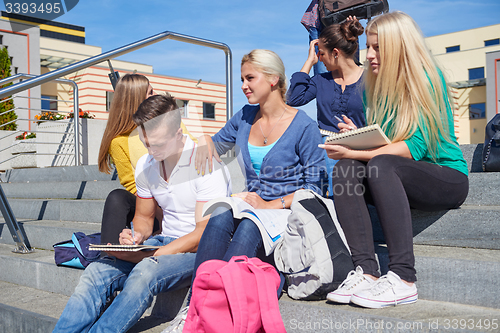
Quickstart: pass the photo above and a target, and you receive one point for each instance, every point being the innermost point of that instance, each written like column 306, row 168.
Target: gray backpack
column 314, row 255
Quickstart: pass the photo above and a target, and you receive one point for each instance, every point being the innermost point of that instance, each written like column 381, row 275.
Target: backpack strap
column 269, row 308
column 235, row 292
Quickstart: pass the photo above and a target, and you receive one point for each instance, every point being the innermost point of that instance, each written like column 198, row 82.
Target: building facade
column 47, row 45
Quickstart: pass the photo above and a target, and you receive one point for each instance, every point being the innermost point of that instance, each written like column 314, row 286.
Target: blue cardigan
column 293, row 163
column 330, row 100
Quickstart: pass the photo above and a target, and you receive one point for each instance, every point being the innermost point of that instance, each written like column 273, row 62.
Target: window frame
column 482, row 114
column 206, row 104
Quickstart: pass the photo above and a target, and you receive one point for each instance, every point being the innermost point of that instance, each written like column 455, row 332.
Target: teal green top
column 257, row 154
column 448, row 152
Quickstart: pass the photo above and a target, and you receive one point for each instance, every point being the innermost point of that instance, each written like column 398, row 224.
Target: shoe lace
column 353, row 279
column 177, row 324
column 381, row 286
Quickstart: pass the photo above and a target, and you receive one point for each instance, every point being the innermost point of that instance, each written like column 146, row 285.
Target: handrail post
column 76, row 118
column 22, row 243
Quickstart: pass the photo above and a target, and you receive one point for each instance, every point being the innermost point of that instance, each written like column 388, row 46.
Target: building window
column 208, row 110
column 49, row 103
column 109, row 98
column 183, row 108
column 1, row 39
column 477, row 111
column 476, row 73
column 492, row 42
column 453, row 48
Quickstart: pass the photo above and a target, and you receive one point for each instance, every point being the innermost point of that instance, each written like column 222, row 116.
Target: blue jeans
column 138, row 284
column 225, row 237
column 329, row 169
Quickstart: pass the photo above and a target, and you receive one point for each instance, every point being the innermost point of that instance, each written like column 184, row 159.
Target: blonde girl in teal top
column 423, row 167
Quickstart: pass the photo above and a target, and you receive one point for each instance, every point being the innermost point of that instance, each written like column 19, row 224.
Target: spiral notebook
column 127, row 248
column 367, row 137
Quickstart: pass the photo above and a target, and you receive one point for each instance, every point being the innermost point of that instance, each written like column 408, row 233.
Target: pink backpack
column 237, row 296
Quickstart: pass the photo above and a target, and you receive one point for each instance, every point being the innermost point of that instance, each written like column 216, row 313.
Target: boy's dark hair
column 157, row 108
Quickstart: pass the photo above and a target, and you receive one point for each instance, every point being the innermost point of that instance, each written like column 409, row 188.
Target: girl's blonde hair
column 270, row 64
column 409, row 90
column 129, row 93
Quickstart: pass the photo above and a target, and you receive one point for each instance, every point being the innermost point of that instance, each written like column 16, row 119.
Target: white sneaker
column 354, row 283
column 388, row 290
column 177, row 324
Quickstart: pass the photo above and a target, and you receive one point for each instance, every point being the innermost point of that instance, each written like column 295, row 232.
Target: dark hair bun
column 351, row 30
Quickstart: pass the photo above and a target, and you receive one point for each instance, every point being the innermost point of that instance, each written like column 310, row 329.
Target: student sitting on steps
column 422, row 168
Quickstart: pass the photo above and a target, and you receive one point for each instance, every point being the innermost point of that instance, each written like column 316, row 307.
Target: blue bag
column 75, row 252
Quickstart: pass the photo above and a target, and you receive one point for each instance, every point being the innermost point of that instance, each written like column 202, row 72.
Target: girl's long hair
column 130, row 91
column 409, row 90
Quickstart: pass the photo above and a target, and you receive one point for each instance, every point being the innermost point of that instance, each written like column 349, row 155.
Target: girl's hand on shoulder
column 206, row 150
column 253, row 199
column 313, row 56
column 336, row 152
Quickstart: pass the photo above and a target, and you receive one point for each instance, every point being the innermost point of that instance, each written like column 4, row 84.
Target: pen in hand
column 132, row 227
column 341, row 121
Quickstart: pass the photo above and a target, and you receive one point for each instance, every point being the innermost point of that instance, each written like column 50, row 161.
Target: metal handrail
column 124, row 50
column 76, row 106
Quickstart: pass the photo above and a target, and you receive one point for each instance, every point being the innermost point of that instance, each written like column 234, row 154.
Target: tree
column 6, row 103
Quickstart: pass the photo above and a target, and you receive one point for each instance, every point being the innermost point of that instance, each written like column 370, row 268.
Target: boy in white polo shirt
column 167, row 177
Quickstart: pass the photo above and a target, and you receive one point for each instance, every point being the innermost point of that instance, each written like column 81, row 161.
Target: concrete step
column 42, row 234
column 24, row 309
column 422, row 316
column 469, row 226
column 483, row 189
column 61, row 190
column 473, row 156
column 444, row 274
column 57, row 174
column 58, row 210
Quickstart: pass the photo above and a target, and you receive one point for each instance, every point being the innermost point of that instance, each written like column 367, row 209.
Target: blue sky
column 243, row 25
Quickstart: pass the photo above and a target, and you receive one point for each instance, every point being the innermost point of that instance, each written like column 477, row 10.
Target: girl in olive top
column 423, row 167
column 122, row 147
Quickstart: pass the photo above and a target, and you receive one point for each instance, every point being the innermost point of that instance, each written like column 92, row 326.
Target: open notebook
column 128, row 248
column 367, row 137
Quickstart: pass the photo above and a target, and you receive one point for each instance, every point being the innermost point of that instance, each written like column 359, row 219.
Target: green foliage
column 6, row 103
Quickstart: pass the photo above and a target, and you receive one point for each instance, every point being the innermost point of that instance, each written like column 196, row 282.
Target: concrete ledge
column 423, row 316
column 62, row 190
column 37, row 270
column 58, row 210
column 21, row 321
column 44, row 234
column 57, row 174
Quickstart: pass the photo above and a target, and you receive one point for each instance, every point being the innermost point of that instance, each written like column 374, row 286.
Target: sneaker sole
column 375, row 304
column 343, row 299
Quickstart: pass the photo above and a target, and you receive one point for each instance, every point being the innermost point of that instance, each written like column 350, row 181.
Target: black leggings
column 119, row 211
column 393, row 184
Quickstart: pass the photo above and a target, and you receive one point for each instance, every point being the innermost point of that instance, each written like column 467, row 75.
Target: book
column 367, row 137
column 271, row 222
column 119, row 247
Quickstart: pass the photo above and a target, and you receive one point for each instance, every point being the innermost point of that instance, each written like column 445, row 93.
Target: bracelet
column 283, row 202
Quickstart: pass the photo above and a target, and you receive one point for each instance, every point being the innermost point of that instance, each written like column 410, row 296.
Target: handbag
column 491, row 148
column 75, row 252
column 337, row 11
column 235, row 296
